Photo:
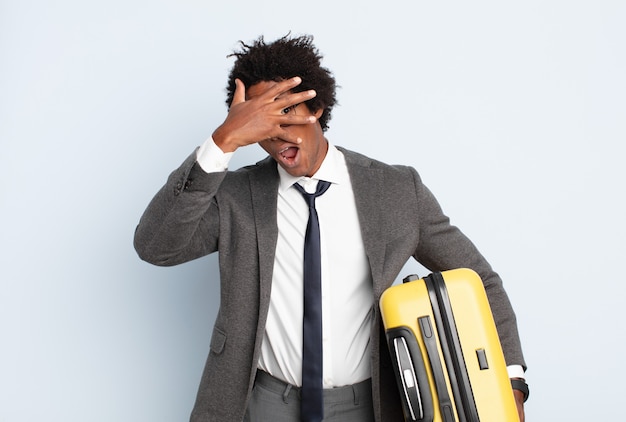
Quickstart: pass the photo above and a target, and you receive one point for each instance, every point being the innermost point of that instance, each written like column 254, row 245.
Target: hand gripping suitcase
column 445, row 348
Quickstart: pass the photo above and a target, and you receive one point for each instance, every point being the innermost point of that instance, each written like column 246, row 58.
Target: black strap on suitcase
column 451, row 349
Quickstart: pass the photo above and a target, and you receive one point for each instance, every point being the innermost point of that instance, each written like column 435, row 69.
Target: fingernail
column 297, row 79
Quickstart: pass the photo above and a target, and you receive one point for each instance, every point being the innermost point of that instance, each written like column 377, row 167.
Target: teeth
column 284, row 150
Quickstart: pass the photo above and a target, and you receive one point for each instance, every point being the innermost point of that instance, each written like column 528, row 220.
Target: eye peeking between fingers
column 291, row 109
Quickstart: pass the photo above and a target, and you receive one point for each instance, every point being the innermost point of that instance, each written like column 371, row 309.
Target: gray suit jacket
column 234, row 213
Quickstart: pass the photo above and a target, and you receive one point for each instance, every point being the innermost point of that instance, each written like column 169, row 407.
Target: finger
column 240, row 92
column 286, row 136
column 282, row 87
column 291, row 99
column 294, row 119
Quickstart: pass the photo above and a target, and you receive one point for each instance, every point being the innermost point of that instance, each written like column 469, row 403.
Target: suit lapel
column 264, row 190
column 367, row 185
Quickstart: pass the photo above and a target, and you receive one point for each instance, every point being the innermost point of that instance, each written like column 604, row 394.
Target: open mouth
column 288, row 154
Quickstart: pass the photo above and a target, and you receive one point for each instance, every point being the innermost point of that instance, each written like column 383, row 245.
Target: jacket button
column 178, row 188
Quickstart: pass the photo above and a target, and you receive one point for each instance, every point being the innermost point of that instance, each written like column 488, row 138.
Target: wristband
column 521, row 385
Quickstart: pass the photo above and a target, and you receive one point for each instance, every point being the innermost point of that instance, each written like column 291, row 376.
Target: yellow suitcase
column 446, row 352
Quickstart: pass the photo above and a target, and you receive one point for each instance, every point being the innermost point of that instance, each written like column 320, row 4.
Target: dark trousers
column 276, row 401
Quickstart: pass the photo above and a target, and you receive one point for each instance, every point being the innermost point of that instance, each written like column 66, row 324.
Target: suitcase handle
column 410, row 386
column 411, row 375
column 430, row 342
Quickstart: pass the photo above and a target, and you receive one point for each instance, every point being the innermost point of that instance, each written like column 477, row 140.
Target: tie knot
column 322, row 186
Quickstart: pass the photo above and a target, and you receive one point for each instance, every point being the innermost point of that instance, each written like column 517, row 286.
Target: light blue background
column 514, row 114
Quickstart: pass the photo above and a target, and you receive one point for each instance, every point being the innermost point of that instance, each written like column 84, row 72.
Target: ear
column 318, row 113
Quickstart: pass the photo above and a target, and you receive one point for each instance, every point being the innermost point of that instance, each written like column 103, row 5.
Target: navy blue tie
column 312, row 406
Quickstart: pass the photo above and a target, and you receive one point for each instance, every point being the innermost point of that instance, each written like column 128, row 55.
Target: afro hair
column 283, row 59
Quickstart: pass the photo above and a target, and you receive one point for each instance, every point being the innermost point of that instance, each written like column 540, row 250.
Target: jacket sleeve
column 443, row 246
column 181, row 223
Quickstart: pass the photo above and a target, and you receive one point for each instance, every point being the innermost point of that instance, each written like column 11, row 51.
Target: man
column 372, row 218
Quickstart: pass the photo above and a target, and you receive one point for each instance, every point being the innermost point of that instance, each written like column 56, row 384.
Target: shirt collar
column 333, row 169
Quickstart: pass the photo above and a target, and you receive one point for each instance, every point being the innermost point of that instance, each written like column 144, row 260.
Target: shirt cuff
column 211, row 158
column 516, row 371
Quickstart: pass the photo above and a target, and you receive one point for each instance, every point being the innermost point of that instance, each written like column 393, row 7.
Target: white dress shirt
column 347, row 297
